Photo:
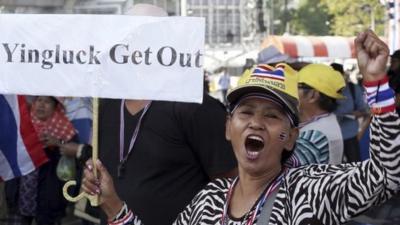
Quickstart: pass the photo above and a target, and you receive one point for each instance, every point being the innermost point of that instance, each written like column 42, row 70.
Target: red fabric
column 57, row 125
column 378, row 111
column 376, row 83
column 29, row 136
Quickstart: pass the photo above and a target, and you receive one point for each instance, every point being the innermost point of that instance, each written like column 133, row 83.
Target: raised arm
column 349, row 189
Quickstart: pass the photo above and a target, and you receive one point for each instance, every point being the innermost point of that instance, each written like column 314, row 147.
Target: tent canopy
column 312, row 46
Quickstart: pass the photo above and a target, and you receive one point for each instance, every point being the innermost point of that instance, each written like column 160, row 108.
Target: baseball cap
column 271, row 55
column 279, row 82
column 324, row 79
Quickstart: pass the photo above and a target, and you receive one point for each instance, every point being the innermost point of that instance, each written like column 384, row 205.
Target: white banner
column 108, row 56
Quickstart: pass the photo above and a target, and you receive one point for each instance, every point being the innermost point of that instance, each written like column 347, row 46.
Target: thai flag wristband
column 380, row 97
column 125, row 216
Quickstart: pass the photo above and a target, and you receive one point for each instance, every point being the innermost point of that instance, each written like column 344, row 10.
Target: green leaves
column 350, row 17
column 335, row 17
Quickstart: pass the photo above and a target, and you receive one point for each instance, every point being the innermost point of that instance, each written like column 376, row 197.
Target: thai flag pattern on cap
column 264, row 72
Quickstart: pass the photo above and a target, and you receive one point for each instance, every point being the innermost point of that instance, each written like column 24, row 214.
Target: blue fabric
column 312, row 147
column 84, row 128
column 364, row 145
column 347, row 106
column 385, row 95
column 8, row 139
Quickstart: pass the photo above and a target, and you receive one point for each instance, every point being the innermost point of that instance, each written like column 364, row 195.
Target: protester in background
column 394, row 71
column 248, row 64
column 225, row 83
column 262, row 127
column 206, row 82
column 349, row 110
column 38, row 195
column 394, row 76
column 79, row 112
column 160, row 154
column 398, row 102
column 319, row 89
column 272, row 56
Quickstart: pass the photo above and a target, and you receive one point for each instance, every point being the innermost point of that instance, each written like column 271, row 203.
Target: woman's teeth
column 254, row 144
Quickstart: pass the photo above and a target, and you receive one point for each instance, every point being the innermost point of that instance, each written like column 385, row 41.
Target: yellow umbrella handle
column 94, row 199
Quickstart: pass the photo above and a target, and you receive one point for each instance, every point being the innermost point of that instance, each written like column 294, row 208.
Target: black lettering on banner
column 182, row 60
column 78, row 57
column 47, row 54
column 9, row 52
column 70, row 59
column 93, row 56
column 160, row 55
column 147, row 56
column 30, row 55
column 57, row 54
column 136, row 55
column 197, row 59
column 112, row 54
column 22, row 53
column 119, row 54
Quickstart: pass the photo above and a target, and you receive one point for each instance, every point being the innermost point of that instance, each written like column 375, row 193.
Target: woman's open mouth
column 253, row 144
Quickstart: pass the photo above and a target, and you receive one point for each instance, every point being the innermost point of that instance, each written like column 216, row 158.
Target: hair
column 287, row 154
column 327, row 103
column 338, row 67
column 53, row 99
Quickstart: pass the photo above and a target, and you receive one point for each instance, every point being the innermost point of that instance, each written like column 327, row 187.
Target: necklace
column 253, row 216
column 122, row 158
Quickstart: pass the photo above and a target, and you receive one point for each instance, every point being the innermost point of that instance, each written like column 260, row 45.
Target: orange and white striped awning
column 313, row 46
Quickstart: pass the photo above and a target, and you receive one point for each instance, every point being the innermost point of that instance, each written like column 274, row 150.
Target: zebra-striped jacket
column 317, row 194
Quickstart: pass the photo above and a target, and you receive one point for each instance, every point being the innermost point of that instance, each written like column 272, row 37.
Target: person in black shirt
column 160, row 154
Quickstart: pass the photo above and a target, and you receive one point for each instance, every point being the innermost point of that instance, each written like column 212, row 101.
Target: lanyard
column 250, row 221
column 122, row 158
column 315, row 118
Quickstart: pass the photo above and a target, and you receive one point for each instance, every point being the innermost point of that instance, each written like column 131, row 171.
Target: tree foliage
column 329, row 17
column 349, row 17
column 311, row 18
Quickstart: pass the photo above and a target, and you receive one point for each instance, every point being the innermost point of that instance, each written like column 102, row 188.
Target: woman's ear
column 314, row 96
column 228, row 127
column 292, row 137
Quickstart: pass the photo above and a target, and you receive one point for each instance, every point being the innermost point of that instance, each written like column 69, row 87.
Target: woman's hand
column 103, row 186
column 372, row 55
column 49, row 141
column 69, row 149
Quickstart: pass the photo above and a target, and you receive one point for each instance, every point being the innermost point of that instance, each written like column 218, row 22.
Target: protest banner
column 108, row 56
